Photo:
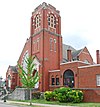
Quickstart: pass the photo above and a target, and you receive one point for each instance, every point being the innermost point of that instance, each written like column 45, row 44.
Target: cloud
column 75, row 41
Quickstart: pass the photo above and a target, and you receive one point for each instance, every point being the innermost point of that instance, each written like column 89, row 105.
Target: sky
column 80, row 26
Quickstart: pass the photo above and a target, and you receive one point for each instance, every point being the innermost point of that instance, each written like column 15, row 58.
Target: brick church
column 59, row 64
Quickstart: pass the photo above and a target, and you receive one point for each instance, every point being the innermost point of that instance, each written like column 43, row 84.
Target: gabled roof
column 76, row 53
column 13, row 68
column 64, row 60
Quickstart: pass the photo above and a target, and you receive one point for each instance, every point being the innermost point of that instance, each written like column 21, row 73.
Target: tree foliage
column 29, row 77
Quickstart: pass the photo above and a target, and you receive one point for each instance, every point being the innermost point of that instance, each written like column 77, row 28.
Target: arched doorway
column 68, row 78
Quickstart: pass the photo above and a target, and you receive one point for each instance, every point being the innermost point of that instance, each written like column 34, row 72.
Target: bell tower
column 46, row 40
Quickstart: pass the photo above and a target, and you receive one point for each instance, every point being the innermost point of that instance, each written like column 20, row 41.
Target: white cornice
column 95, row 65
column 54, row 70
column 74, row 62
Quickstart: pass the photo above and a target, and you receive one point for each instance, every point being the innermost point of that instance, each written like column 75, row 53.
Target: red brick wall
column 51, row 59
column 14, row 81
column 87, row 76
column 73, row 66
column 85, row 55
column 91, row 95
column 13, row 76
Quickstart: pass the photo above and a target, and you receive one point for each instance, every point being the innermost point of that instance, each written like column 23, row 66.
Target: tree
column 29, row 77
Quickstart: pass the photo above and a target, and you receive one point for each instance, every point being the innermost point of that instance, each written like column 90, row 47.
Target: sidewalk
column 34, row 104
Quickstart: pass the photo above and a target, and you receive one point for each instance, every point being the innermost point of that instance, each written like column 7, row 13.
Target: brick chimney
column 69, row 55
column 98, row 56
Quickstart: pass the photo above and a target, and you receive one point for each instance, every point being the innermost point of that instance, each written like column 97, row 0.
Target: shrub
column 64, row 94
column 62, row 98
column 62, row 90
column 36, row 95
column 75, row 96
column 61, row 94
column 55, row 94
column 48, row 95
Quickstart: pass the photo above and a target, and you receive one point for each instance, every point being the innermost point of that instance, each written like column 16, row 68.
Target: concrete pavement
column 34, row 104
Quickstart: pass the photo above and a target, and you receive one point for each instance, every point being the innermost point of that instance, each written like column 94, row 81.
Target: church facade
column 59, row 64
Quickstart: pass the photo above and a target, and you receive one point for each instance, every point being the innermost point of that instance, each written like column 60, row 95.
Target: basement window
column 98, row 80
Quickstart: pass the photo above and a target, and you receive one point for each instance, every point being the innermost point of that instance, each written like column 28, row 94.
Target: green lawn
column 42, row 101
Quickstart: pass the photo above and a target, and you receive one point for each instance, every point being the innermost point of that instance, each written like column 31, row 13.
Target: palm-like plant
column 30, row 77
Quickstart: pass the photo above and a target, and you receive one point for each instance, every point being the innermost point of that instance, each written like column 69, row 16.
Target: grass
column 42, row 101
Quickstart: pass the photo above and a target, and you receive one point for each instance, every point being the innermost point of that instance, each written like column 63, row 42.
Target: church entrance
column 68, row 78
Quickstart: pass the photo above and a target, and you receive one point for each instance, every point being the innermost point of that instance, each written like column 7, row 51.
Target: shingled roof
column 65, row 48
column 75, row 52
column 13, row 68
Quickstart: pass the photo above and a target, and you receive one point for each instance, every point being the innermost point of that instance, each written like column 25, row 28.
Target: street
column 11, row 105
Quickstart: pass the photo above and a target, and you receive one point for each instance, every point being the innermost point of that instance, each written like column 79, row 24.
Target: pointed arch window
column 33, row 46
column 24, row 64
column 52, row 21
column 52, row 80
column 37, row 43
column 37, row 21
column 54, row 45
column 51, row 44
column 57, row 80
